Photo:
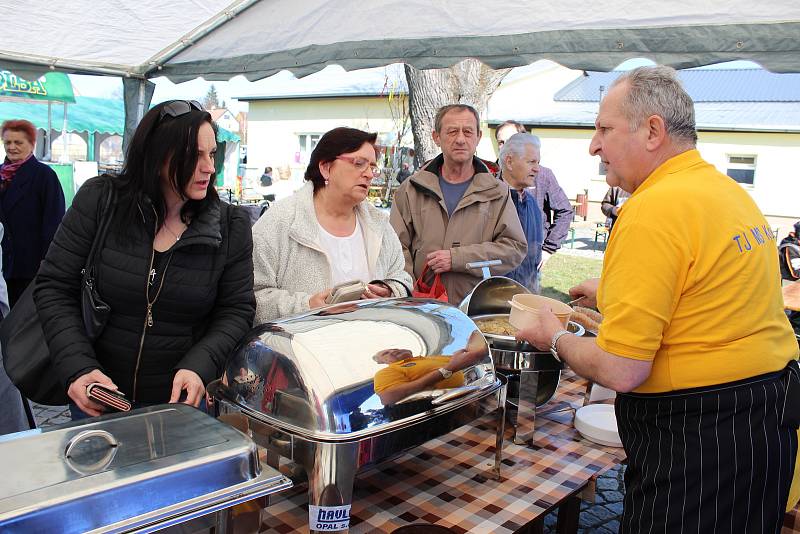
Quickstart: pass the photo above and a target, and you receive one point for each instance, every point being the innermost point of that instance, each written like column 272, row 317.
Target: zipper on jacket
column 148, row 316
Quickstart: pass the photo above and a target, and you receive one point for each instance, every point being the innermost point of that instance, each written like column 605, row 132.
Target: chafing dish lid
column 491, row 295
column 117, row 467
column 314, row 373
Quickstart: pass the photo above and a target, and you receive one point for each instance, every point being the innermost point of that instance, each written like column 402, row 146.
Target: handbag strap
column 105, row 221
column 420, row 282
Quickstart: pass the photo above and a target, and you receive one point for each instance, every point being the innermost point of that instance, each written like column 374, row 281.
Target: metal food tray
column 139, row 471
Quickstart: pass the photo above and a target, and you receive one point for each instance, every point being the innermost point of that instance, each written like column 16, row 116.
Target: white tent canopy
column 218, row 39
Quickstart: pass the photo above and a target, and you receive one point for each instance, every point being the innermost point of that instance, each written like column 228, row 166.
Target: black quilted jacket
column 205, row 307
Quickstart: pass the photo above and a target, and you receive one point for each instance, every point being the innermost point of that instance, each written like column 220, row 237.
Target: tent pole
column 49, row 147
column 140, row 101
column 65, row 155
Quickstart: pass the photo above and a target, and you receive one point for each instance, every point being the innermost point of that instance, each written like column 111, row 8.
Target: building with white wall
column 748, row 123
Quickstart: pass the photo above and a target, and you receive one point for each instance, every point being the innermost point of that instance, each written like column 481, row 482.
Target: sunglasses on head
column 176, row 108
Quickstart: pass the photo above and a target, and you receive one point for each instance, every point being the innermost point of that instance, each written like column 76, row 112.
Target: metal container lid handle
column 86, row 434
column 484, row 266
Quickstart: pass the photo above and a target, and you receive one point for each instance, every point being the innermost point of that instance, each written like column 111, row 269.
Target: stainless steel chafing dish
column 137, row 472
column 304, row 388
column 533, row 375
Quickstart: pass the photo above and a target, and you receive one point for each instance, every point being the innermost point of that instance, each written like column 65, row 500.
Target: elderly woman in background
column 31, row 206
column 327, row 233
column 176, row 269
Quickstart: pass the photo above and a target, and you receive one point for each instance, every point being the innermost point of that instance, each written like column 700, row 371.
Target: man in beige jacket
column 453, row 211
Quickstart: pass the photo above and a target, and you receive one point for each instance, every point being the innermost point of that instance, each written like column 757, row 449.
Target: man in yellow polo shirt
column 694, row 336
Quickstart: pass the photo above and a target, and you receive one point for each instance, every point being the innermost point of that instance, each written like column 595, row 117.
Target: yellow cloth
column 690, row 281
column 410, row 369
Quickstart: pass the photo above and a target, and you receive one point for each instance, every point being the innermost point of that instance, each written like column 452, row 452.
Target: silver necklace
column 176, row 236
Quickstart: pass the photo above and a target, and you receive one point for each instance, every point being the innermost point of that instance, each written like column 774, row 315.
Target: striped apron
column 707, row 460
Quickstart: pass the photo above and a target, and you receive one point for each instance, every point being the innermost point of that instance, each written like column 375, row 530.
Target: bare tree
column 469, row 82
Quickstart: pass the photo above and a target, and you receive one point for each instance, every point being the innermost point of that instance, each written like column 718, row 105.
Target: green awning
column 224, row 136
column 87, row 114
column 51, row 86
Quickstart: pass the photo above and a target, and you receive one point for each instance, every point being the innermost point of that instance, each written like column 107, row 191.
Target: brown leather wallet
column 107, row 397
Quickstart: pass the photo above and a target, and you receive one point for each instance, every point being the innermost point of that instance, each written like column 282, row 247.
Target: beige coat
column 290, row 264
column 484, row 226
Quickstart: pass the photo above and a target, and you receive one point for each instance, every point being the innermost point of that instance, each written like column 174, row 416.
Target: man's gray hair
column 657, row 91
column 516, row 145
column 444, row 110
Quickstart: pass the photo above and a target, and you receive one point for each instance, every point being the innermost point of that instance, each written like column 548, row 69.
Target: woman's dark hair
column 163, row 139
column 335, row 143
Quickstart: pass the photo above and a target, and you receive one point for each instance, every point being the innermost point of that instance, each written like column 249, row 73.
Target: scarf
column 9, row 169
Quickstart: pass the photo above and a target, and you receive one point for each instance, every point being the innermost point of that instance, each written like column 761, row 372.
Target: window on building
column 307, row 142
column 741, row 168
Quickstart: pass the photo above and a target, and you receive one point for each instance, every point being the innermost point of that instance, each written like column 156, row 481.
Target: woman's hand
column 317, row 300
column 189, row 381
column 588, row 290
column 77, row 391
column 540, row 330
column 376, row 291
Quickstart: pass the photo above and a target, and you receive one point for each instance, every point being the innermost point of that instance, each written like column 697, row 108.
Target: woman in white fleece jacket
column 327, row 233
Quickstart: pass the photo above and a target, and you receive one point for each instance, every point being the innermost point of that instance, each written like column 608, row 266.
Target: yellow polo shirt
column 691, row 281
column 410, row 369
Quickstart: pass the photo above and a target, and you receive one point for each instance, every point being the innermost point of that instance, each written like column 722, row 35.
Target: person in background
column 519, row 167
column 453, row 211
column 694, row 337
column 176, row 270
column 327, row 233
column 403, row 173
column 266, row 178
column 789, row 254
column 31, row 206
column 15, row 413
column 614, row 199
column 549, row 195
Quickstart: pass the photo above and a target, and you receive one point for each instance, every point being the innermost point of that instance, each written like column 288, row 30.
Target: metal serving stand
column 304, row 388
column 533, row 375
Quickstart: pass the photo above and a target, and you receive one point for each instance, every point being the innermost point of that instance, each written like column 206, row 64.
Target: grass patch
column 563, row 271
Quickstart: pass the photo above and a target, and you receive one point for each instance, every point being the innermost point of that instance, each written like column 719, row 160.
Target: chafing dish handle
column 86, row 434
column 483, row 266
column 460, row 392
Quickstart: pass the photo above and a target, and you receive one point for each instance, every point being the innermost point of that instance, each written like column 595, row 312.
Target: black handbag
column 94, row 310
column 26, row 356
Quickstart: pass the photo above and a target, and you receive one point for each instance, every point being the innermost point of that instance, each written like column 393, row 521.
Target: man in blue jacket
column 519, row 166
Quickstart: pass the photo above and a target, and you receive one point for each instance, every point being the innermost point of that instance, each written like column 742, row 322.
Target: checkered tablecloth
column 791, row 521
column 448, row 481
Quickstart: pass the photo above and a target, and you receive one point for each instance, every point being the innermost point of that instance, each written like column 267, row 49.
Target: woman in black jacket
column 176, row 269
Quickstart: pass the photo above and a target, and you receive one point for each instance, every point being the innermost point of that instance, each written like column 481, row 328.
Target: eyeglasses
column 361, row 164
column 176, row 108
